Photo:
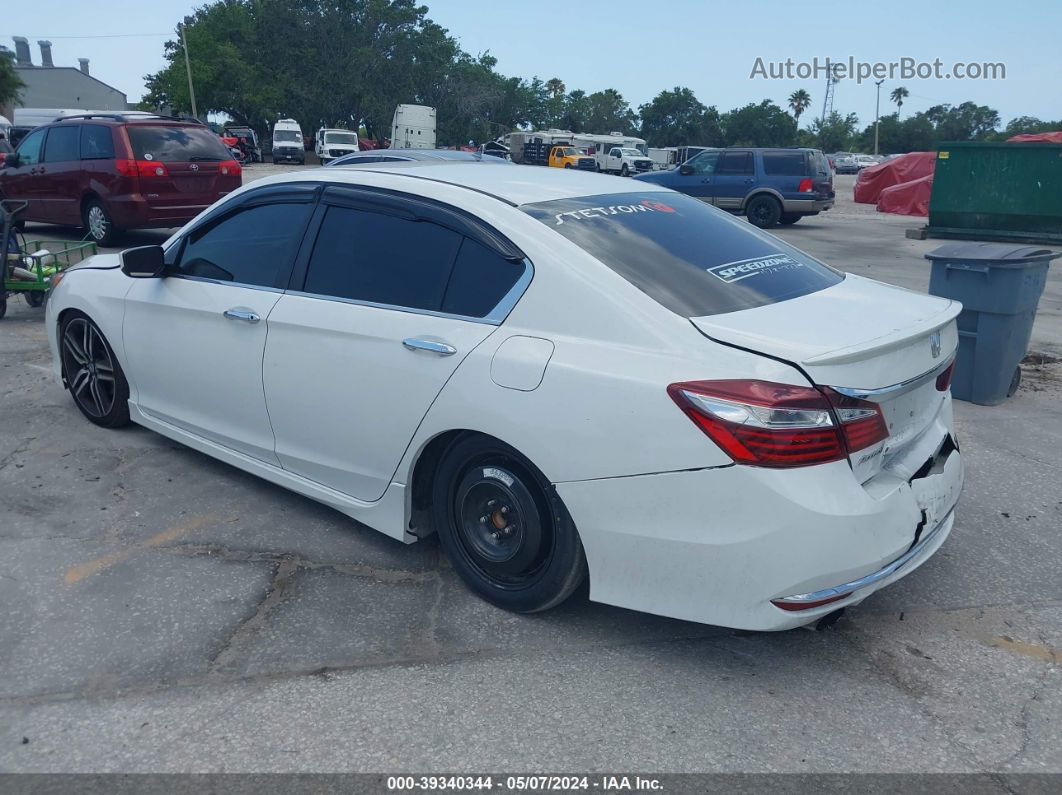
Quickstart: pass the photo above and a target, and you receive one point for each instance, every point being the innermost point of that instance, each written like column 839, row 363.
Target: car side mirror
column 685, row 170
column 11, row 161
column 143, row 262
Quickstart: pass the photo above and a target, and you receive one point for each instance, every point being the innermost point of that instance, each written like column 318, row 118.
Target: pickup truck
column 623, row 161
column 557, row 156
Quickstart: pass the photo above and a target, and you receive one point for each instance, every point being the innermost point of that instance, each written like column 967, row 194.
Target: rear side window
column 96, row 142
column 785, row 164
column 480, row 279
column 63, row 144
column 691, row 258
column 255, row 246
column 740, row 163
column 382, row 259
column 175, row 144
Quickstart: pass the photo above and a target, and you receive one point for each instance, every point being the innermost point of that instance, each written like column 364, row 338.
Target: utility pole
column 188, row 69
column 877, row 113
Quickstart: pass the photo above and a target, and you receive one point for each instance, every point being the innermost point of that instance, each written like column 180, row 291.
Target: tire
column 504, row 528
column 98, row 223
column 789, row 218
column 92, row 373
column 624, row 171
column 763, row 211
column 567, row 165
column 34, row 298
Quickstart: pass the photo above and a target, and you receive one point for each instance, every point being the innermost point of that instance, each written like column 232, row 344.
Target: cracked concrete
column 216, row 623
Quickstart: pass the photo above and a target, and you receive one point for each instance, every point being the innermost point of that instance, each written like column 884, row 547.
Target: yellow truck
column 570, row 157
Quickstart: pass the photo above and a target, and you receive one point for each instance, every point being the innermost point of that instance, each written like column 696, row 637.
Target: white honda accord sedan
column 564, row 375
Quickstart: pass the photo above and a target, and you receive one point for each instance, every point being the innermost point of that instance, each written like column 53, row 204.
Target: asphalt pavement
column 162, row 611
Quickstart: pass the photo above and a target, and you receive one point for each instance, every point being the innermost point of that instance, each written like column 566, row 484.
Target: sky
column 641, row 48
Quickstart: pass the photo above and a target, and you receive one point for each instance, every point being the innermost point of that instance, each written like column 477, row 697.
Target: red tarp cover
column 1036, row 138
column 907, row 198
column 872, row 180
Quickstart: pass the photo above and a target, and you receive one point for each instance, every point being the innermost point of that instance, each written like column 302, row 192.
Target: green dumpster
column 997, row 191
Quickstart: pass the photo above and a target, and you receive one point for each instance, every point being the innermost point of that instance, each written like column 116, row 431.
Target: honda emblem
column 194, row 167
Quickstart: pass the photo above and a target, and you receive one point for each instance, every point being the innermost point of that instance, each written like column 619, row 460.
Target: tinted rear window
column 785, row 164
column 175, row 144
column 691, row 258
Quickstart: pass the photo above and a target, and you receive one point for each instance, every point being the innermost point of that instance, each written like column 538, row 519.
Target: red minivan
column 111, row 172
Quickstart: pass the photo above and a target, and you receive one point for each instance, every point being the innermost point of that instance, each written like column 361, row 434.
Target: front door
column 195, row 339
column 390, row 306
column 27, row 181
column 735, row 175
column 694, row 177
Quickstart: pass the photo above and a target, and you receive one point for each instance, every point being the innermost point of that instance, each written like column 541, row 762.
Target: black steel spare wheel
column 504, row 528
column 92, row 374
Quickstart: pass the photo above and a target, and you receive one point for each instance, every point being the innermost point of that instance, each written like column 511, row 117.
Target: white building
column 51, row 86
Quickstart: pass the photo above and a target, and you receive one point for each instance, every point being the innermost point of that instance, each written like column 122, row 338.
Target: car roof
column 517, row 185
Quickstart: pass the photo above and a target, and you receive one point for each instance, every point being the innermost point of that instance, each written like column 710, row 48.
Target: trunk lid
column 865, row 339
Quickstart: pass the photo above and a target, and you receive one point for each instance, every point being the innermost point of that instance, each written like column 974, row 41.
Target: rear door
column 60, row 194
column 394, row 297
column 191, row 168
column 735, row 175
column 195, row 339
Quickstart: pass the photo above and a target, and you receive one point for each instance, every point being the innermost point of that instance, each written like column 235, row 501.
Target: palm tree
column 555, row 86
column 799, row 101
column 898, row 95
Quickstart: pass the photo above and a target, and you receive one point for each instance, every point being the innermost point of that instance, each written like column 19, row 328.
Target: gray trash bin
column 999, row 285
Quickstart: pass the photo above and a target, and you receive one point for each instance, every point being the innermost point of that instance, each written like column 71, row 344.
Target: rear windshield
column 691, row 258
column 175, row 144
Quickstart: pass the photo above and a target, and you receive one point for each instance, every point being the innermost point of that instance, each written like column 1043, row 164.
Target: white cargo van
column 287, row 142
column 333, row 143
column 413, row 127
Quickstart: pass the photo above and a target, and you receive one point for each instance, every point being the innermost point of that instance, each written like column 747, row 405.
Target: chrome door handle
column 441, row 348
column 242, row 314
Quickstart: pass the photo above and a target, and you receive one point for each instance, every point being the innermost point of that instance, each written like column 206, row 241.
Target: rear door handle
column 441, row 348
column 242, row 314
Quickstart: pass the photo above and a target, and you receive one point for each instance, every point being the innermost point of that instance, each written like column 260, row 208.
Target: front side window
column 691, row 258
column 254, row 246
column 29, row 149
column 63, row 144
column 704, row 163
column 96, row 142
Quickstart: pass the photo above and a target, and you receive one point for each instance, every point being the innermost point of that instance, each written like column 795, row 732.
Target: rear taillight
column 806, row 186
column 765, row 424
column 141, row 168
column 944, row 379
column 230, row 167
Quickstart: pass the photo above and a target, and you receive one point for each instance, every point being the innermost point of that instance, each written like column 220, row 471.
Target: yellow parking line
column 76, row 574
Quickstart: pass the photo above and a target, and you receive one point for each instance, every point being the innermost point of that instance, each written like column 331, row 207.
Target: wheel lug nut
column 483, row 520
column 505, row 509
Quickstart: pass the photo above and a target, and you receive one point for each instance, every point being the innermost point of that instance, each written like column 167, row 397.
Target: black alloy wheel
column 92, row 374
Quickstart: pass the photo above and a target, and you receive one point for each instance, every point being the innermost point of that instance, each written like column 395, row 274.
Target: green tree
column 677, row 118
column 10, row 84
column 799, row 101
column 763, row 124
column 967, row 121
column 1024, row 125
column 607, row 111
column 898, row 95
column 556, row 88
column 835, row 133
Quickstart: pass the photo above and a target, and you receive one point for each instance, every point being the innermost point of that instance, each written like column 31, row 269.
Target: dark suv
column 770, row 186
column 110, row 172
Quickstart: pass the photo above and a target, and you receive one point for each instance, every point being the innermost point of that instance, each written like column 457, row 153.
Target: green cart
column 30, row 267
